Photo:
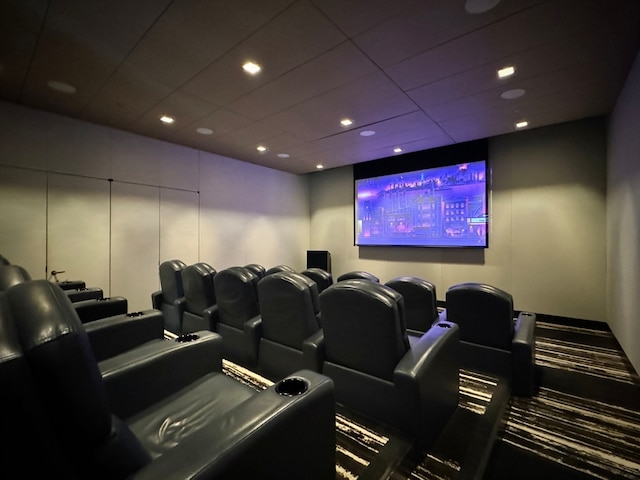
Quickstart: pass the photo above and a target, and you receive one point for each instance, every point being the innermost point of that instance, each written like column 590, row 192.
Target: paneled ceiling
column 418, row 73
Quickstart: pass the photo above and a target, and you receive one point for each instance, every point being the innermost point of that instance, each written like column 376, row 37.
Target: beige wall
column 59, row 211
column 623, row 218
column 547, row 235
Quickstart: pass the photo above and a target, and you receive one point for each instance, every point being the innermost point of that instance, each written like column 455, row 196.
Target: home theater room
column 320, row 239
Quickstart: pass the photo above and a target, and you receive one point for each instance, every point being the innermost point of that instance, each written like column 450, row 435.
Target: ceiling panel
column 184, row 108
column 420, row 29
column 294, row 37
column 421, row 74
column 490, row 45
column 365, row 101
column 20, row 22
column 82, row 43
column 335, row 68
column 124, row 97
column 174, row 54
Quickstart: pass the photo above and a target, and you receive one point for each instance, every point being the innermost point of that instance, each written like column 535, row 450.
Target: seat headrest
column 420, row 301
column 363, row 326
column 358, row 274
column 199, row 290
column 322, row 278
column 291, row 280
column 236, row 295
column 279, row 268
column 483, row 312
column 171, row 280
column 11, row 275
column 259, row 270
column 289, row 307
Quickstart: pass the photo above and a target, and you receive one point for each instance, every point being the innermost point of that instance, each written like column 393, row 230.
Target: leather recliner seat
column 91, row 424
column 421, row 306
column 239, row 322
column 377, row 371
column 492, row 340
column 170, row 298
column 289, row 309
column 201, row 311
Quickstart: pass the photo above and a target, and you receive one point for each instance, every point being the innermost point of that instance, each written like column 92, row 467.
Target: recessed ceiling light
column 319, row 166
column 522, row 124
column 480, row 6
column 251, row 67
column 397, row 150
column 61, row 87
column 204, row 131
column 345, row 122
column 261, row 148
column 284, row 155
column 506, row 71
column 512, row 94
column 367, row 133
column 167, row 119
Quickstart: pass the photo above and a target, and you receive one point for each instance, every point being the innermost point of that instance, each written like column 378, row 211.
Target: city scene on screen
column 436, row 207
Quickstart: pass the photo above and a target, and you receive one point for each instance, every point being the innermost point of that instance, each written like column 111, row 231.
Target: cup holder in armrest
column 292, row 386
column 187, row 337
column 443, row 325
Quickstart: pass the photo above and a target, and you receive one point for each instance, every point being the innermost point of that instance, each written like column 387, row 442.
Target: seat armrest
column 114, row 335
column 180, row 304
column 282, row 435
column 429, row 374
column 442, row 317
column 253, row 326
column 524, row 329
column 95, row 309
column 156, row 299
column 253, row 330
column 423, row 353
column 145, row 375
column 313, row 351
column 523, row 351
column 211, row 317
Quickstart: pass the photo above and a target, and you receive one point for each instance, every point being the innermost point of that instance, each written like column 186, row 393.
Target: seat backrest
column 363, row 327
column 236, row 296
column 322, row 278
column 420, row 303
column 199, row 291
column 256, row 268
column 358, row 274
column 279, row 268
column 483, row 312
column 171, row 280
column 289, row 308
column 69, row 382
column 25, row 426
column 11, row 275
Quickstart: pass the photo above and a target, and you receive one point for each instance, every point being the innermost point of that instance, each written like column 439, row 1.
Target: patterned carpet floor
column 602, row 359
column 368, row 450
column 583, row 423
column 567, row 426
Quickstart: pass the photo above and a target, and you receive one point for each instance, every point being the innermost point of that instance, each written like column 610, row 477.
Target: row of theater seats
column 391, row 354
column 155, row 409
column 493, row 339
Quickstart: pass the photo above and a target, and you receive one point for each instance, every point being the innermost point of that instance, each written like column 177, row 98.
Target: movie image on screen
column 437, row 207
